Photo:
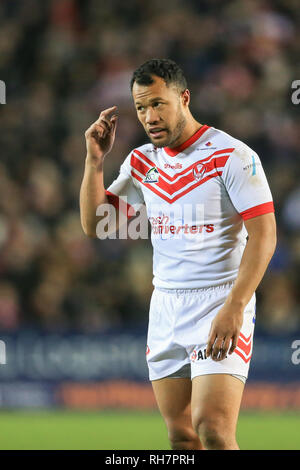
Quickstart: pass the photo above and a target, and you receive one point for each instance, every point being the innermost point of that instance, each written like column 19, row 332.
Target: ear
column 186, row 97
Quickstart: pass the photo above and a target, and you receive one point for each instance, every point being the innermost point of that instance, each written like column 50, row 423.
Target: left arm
column 258, row 252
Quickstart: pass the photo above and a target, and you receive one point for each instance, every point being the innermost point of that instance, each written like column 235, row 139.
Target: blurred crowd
column 63, row 61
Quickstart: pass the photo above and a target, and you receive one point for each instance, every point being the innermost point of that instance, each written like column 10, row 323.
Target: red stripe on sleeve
column 119, row 204
column 261, row 209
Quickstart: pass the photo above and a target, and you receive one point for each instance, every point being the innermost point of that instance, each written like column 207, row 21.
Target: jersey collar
column 176, row 150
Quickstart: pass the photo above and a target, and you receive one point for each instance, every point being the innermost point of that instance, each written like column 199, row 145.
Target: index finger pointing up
column 104, row 114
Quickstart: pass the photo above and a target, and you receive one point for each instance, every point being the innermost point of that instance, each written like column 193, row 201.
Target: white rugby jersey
column 197, row 196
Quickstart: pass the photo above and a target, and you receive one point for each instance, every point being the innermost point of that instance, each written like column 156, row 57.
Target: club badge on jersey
column 151, row 176
column 198, row 171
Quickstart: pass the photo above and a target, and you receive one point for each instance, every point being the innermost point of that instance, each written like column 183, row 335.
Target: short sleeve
column 123, row 192
column 246, row 183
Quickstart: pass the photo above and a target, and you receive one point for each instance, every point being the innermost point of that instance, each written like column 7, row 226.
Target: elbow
column 97, row 232
column 90, row 232
column 102, row 230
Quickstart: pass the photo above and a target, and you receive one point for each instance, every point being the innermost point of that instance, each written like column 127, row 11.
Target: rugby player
column 206, row 264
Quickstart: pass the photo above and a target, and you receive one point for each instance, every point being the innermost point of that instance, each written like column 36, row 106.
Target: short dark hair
column 167, row 69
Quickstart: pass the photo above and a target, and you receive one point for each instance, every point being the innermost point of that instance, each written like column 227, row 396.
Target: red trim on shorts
column 174, row 151
column 245, row 359
column 243, row 347
column 261, row 209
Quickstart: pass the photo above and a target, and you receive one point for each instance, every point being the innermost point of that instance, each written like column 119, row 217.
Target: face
column 162, row 111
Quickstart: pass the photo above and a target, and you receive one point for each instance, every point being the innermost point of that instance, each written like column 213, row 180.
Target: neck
column 191, row 127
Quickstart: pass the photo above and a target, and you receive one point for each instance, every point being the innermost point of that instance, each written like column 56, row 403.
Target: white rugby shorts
column 179, row 325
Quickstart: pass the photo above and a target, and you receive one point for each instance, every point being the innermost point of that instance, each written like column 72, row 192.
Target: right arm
column 100, row 138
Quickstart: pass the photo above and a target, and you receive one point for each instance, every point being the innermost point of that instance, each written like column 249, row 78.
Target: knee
column 211, row 435
column 182, row 438
column 214, row 434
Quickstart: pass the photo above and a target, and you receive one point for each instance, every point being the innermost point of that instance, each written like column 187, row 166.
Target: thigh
column 173, row 397
column 216, row 399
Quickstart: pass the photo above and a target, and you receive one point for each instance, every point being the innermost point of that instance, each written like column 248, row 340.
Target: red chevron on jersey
column 218, row 152
column 157, row 187
column 175, row 198
column 134, row 162
column 181, row 180
column 138, row 164
column 215, row 163
column 169, row 188
column 244, row 347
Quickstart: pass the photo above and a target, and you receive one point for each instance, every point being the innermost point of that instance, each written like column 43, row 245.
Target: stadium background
column 73, row 311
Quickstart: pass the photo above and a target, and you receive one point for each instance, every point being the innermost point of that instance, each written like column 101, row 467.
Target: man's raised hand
column 100, row 136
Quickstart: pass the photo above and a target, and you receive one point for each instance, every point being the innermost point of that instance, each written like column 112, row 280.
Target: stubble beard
column 173, row 137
